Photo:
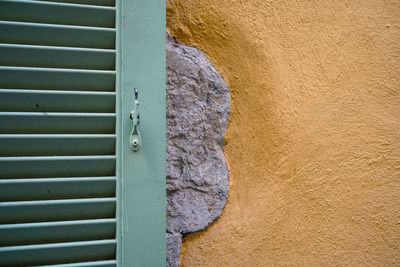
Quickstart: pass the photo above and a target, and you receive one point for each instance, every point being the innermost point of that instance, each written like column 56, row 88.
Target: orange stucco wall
column 313, row 143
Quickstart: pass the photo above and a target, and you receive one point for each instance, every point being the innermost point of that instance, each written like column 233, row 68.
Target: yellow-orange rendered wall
column 313, row 143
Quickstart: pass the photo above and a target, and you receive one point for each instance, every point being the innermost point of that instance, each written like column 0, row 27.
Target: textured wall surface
column 313, row 143
column 197, row 115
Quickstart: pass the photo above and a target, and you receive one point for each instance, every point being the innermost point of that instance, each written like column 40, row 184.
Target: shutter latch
column 135, row 140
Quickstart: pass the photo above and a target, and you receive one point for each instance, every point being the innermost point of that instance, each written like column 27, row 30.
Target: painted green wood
column 57, row 253
column 57, row 13
column 56, row 79
column 56, row 123
column 56, row 101
column 141, row 64
column 56, row 57
column 55, row 232
column 56, row 188
column 84, row 2
column 57, row 35
column 106, row 263
column 56, row 166
column 56, row 210
column 61, row 117
column 57, row 144
column 58, row 133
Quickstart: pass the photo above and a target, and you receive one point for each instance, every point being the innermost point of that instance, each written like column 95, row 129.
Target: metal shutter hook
column 135, row 139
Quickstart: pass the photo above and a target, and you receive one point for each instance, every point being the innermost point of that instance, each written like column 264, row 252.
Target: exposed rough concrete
column 198, row 105
column 174, row 242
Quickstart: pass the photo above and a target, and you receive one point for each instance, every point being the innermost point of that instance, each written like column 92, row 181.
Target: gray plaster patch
column 198, row 105
column 174, row 242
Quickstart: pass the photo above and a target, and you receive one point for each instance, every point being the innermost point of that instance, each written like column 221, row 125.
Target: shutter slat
column 56, row 35
column 57, row 13
column 85, row 2
column 55, row 101
column 109, row 263
column 56, row 166
column 56, row 57
column 56, row 210
column 56, row 123
column 56, row 79
column 55, row 188
column 56, row 145
column 56, row 232
column 57, row 253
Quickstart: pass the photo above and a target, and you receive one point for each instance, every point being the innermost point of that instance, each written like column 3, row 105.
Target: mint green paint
column 65, row 131
column 141, row 174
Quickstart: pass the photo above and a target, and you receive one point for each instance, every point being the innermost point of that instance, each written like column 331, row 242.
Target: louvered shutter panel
column 58, row 133
column 72, row 192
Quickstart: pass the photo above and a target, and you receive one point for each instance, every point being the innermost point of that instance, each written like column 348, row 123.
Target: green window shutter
column 72, row 192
